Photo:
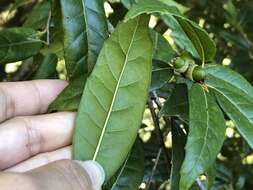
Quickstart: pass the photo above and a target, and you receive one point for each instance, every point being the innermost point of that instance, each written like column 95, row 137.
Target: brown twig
column 158, row 129
column 154, row 168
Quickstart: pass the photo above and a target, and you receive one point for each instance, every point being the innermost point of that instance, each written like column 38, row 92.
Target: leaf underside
column 114, row 97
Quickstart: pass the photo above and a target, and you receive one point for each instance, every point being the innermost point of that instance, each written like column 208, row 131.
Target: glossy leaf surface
column 196, row 39
column 85, row 29
column 114, row 97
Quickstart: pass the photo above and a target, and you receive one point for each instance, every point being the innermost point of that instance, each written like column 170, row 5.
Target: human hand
column 30, row 141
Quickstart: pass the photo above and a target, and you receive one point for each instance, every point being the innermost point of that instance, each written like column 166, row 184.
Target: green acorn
column 195, row 73
column 198, row 73
column 180, row 65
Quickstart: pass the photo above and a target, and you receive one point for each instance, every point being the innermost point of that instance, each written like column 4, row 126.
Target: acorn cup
column 181, row 64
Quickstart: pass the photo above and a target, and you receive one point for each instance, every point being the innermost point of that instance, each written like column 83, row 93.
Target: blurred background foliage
column 229, row 23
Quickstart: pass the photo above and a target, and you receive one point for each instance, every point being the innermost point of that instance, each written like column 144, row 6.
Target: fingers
column 27, row 98
column 64, row 175
column 41, row 160
column 24, row 137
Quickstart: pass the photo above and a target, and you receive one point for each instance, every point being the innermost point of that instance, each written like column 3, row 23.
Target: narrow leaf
column 197, row 41
column 85, row 29
column 18, row 44
column 198, row 38
column 178, row 153
column 181, row 8
column 150, row 7
column 235, row 96
column 206, row 135
column 114, row 97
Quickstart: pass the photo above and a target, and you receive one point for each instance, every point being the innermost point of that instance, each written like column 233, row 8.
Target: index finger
column 27, row 98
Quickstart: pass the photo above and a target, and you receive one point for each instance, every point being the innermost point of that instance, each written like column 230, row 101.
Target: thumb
column 68, row 175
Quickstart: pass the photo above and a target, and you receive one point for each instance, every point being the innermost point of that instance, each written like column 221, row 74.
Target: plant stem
column 161, row 27
column 154, row 168
column 200, row 184
column 158, row 129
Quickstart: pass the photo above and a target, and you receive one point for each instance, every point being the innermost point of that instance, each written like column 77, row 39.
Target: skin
column 35, row 148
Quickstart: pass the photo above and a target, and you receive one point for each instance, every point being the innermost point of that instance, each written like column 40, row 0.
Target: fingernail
column 95, row 171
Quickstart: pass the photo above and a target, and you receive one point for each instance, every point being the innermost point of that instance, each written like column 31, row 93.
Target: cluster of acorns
column 188, row 68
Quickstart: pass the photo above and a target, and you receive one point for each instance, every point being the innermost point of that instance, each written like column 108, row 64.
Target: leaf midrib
column 114, row 95
column 205, row 137
column 19, row 43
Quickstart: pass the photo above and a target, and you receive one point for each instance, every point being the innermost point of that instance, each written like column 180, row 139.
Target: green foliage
column 116, row 91
column 18, row 44
column 155, row 49
column 206, row 135
column 235, row 96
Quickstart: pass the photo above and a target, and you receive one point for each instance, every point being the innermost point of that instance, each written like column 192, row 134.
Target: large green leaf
column 70, row 97
column 195, row 39
column 114, row 97
column 131, row 173
column 235, row 96
column 177, row 104
column 178, row 153
column 85, row 29
column 206, row 135
column 18, row 44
